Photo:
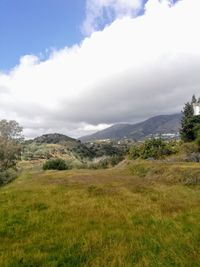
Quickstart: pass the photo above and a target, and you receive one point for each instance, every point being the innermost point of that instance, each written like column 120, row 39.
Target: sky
column 75, row 67
column 37, row 27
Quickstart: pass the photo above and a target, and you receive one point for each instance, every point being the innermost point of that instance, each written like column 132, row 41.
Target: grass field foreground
column 136, row 214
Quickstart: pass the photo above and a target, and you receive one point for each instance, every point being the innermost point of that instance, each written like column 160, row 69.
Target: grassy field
column 136, row 214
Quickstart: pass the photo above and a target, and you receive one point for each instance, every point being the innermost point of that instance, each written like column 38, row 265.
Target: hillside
column 162, row 124
column 53, row 146
column 61, row 146
column 54, row 138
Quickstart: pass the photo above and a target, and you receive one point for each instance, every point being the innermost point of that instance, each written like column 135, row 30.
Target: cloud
column 133, row 69
column 101, row 12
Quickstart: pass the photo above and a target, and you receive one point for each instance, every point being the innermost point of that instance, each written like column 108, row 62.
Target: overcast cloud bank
column 135, row 68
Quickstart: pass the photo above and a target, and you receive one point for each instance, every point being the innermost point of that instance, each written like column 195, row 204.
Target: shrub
column 55, row 164
column 134, row 152
column 7, row 176
column 190, row 152
column 114, row 160
column 102, row 164
column 153, row 148
column 189, row 148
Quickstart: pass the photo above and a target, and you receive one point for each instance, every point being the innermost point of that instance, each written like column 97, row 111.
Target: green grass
column 136, row 214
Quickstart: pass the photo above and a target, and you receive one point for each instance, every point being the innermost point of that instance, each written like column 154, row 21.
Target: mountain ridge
column 161, row 124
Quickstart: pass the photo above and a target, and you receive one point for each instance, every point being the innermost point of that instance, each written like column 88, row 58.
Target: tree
column 10, row 148
column 10, row 130
column 189, row 122
column 194, row 100
column 186, row 132
column 197, row 134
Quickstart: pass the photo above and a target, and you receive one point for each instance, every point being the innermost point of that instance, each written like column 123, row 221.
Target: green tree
column 187, row 131
column 189, row 122
column 10, row 147
column 197, row 131
column 194, row 100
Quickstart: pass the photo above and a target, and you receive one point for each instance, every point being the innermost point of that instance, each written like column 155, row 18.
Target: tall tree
column 10, row 139
column 189, row 122
column 194, row 100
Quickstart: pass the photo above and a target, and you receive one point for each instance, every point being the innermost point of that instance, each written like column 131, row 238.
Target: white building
column 196, row 107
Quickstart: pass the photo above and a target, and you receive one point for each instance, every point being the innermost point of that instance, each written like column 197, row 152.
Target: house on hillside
column 196, row 107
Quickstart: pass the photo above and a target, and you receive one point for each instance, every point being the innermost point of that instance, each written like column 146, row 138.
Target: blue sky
column 32, row 26
column 37, row 26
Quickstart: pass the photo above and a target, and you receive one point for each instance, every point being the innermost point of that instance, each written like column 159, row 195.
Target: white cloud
column 133, row 69
column 101, row 12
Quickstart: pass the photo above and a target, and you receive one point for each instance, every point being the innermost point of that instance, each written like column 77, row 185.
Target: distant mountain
column 54, row 138
column 162, row 124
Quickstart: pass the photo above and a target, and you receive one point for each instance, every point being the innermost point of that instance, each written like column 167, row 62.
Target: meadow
column 138, row 213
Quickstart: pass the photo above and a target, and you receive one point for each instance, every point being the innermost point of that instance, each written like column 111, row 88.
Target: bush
column 102, row 164
column 55, row 164
column 134, row 152
column 114, row 160
column 153, row 148
column 189, row 148
column 7, row 176
column 106, row 162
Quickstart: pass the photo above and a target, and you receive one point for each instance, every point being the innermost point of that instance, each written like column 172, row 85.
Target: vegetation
column 190, row 124
column 7, row 176
column 105, row 162
column 55, row 138
column 100, row 149
column 153, row 148
column 69, row 149
column 10, row 149
column 136, row 214
column 55, row 164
